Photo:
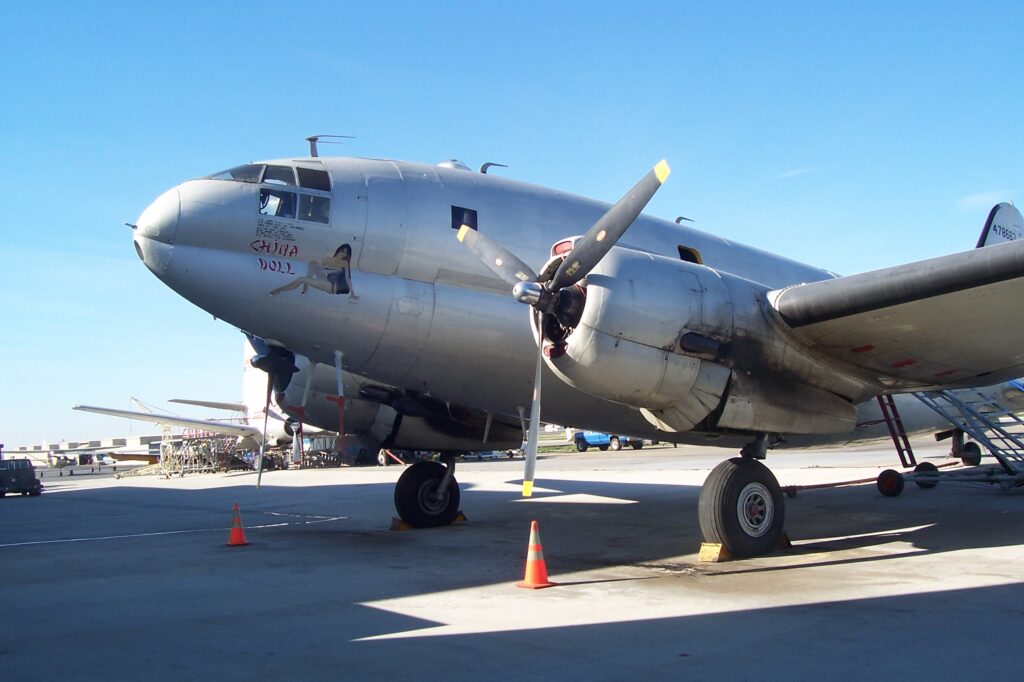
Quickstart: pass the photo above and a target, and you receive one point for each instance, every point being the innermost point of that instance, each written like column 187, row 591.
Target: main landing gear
column 741, row 505
column 427, row 494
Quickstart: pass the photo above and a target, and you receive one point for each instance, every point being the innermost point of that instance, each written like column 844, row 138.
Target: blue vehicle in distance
column 605, row 441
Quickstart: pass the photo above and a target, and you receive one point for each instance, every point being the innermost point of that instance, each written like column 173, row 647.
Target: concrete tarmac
column 131, row 578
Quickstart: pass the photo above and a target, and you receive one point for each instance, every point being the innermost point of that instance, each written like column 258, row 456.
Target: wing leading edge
column 944, row 322
column 239, row 430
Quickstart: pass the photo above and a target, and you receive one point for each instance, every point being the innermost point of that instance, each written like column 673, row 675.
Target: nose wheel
column 741, row 507
column 427, row 494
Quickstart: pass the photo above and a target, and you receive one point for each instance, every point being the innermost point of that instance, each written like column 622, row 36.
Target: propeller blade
column 500, row 260
column 263, row 444
column 533, row 435
column 603, row 235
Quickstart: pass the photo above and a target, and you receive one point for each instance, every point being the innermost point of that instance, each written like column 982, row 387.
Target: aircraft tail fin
column 1004, row 224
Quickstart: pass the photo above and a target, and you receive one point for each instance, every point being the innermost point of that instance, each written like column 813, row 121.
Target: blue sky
column 851, row 136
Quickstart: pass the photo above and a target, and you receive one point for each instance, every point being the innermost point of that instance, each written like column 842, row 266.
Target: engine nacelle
column 681, row 342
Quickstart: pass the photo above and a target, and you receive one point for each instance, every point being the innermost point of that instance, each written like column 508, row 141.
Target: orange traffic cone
column 237, row 536
column 536, row 570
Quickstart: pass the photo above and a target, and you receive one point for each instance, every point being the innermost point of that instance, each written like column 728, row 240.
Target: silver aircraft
column 456, row 295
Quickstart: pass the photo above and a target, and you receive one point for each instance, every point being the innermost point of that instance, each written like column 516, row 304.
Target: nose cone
column 160, row 219
column 156, row 230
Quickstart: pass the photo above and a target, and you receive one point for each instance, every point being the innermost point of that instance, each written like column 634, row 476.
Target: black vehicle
column 19, row 476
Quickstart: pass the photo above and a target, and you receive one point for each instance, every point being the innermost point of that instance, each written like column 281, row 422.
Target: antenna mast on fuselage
column 313, row 139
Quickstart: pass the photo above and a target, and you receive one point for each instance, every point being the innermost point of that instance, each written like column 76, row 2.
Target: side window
column 312, row 178
column 463, row 216
column 274, row 202
column 690, row 255
column 279, row 175
column 315, row 209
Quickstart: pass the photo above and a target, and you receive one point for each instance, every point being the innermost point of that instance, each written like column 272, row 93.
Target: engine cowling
column 686, row 344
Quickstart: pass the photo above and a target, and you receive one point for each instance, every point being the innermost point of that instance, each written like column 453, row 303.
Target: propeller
column 263, row 442
column 279, row 364
column 556, row 298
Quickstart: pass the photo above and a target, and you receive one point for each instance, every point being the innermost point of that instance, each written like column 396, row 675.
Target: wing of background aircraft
column 212, row 404
column 240, row 430
column 936, row 323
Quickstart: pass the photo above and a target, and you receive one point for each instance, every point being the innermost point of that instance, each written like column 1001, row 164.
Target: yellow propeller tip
column 527, row 488
column 463, row 231
column 662, row 170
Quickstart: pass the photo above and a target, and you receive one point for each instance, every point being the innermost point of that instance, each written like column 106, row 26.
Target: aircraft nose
column 160, row 219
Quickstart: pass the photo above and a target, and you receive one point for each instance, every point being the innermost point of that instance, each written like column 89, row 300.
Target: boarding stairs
column 989, row 422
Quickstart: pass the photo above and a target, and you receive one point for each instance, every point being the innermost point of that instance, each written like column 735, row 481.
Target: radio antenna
column 334, row 139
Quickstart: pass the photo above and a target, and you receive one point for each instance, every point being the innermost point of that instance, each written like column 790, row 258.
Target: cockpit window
column 277, row 203
column 279, row 175
column 312, row 178
column 314, row 208
column 249, row 172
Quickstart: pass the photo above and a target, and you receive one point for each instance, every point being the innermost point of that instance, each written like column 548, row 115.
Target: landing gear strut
column 741, row 505
column 427, row 494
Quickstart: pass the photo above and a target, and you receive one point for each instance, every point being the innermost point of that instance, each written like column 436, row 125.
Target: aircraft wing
column 240, row 430
column 212, row 404
column 945, row 322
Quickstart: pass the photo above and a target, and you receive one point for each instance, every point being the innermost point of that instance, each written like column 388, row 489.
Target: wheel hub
column 755, row 509
column 428, row 499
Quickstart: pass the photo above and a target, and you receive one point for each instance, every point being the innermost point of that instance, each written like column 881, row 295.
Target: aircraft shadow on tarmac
column 328, row 547
column 917, row 636
column 660, row 527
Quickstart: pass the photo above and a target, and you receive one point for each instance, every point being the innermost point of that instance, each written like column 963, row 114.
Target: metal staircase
column 988, row 421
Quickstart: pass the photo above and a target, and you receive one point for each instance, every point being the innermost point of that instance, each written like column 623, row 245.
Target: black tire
column 602, row 448
column 741, row 507
column 970, row 455
column 414, row 496
column 927, row 475
column 383, row 459
column 636, row 444
column 581, row 446
column 615, row 444
column 890, row 483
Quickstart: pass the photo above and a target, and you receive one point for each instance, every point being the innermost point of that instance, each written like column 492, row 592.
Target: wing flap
column 944, row 322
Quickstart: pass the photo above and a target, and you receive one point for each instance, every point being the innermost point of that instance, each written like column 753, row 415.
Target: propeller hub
column 528, row 292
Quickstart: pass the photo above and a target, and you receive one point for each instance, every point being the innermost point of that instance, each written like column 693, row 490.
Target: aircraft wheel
column 927, row 475
column 416, row 500
column 741, row 507
column 602, row 448
column 970, row 455
column 614, row 443
column 383, row 459
column 890, row 483
column 581, row 446
column 637, row 444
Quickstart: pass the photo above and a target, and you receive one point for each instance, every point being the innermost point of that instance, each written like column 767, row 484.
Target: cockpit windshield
column 249, row 172
column 280, row 199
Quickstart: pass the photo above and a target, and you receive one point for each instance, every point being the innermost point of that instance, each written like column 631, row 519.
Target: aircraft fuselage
column 368, row 264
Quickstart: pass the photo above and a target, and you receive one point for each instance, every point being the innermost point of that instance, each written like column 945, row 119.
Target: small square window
column 463, row 216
